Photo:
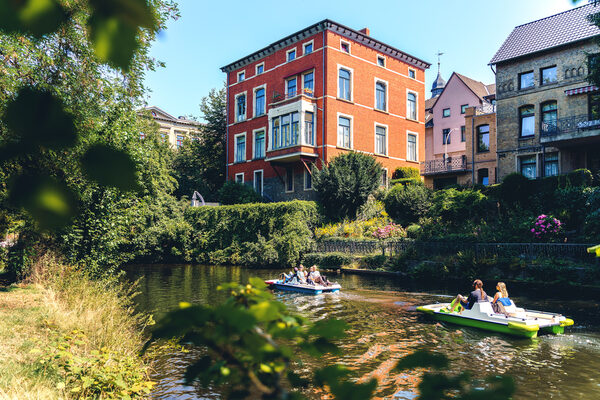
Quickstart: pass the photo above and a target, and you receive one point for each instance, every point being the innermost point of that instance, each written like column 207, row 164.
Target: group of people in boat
column 300, row 276
column 499, row 302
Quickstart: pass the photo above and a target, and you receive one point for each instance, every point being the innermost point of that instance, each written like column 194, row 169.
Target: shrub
column 413, row 230
column 578, row 177
column 389, row 231
column 515, row 188
column 456, row 207
column 345, row 184
column 406, row 204
column 238, row 193
column 406, row 172
column 406, row 181
column 326, row 260
column 377, row 261
column 546, row 228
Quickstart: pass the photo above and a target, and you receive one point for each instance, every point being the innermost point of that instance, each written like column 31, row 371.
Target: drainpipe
column 473, row 147
column 227, row 128
column 324, row 99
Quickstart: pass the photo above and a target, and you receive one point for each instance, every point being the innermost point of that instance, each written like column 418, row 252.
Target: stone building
column 548, row 115
column 480, row 131
column 174, row 130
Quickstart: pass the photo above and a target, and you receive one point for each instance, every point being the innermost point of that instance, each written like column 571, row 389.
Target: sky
column 211, row 34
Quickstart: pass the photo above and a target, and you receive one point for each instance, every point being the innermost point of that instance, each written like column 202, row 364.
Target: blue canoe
column 303, row 288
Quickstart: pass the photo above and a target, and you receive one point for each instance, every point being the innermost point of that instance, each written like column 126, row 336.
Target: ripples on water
column 384, row 327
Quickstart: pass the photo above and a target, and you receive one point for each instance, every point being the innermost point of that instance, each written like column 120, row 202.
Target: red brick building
column 315, row 94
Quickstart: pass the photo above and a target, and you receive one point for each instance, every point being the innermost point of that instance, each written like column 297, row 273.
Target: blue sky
column 212, row 34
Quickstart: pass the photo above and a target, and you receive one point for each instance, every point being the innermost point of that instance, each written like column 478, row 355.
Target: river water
column 384, row 327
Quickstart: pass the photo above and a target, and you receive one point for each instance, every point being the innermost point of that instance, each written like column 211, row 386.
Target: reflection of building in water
column 174, row 130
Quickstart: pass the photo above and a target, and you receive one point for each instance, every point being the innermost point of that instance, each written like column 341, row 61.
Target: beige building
column 480, row 132
column 548, row 114
column 174, row 130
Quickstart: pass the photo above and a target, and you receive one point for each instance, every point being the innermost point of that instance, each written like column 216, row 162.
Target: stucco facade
column 174, row 130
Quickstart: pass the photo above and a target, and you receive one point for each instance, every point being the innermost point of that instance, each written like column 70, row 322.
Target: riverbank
column 64, row 336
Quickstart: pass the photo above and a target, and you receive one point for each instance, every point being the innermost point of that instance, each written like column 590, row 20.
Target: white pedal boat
column 519, row 322
column 303, row 288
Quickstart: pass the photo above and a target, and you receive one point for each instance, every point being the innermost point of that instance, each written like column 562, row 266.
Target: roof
column 480, row 89
column 429, row 103
column 439, row 82
column 547, row 33
column 340, row 29
column 160, row 114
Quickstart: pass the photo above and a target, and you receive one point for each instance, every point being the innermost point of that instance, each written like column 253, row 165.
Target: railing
column 444, row 166
column 577, row 123
column 290, row 95
column 485, row 108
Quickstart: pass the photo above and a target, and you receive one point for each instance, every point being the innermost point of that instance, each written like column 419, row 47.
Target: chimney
column 365, row 31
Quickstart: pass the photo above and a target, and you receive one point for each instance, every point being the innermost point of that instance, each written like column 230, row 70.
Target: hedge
column 406, row 172
column 406, row 181
column 255, row 234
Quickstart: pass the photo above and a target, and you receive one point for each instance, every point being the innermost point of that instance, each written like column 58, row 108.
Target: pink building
column 445, row 140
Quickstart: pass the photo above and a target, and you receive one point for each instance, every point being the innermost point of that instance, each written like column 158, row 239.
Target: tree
column 407, row 203
column 345, row 184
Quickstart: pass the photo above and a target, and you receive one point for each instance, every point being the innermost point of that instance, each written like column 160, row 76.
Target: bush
column 326, row 260
column 578, row 177
column 238, row 193
column 224, row 235
column 406, row 204
column 406, row 181
column 345, row 184
column 406, row 172
column 456, row 207
column 377, row 261
column 413, row 230
column 515, row 189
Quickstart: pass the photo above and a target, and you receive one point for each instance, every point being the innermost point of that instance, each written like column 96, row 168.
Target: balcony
column 447, row 166
column 292, row 131
column 279, row 98
column 580, row 128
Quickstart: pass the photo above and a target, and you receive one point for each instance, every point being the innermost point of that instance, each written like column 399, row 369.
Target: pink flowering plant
column 546, row 228
column 391, row 230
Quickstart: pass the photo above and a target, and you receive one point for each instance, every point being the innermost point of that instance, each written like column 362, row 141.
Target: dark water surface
column 385, row 327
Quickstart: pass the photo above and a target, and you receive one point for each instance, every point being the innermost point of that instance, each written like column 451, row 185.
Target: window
column 384, row 177
column 259, row 144
column 548, row 75
column 446, row 112
column 241, row 76
column 289, row 180
column 526, row 80
column 551, row 164
column 463, row 108
column 446, row 136
column 308, row 83
column 411, row 100
column 291, row 87
column 381, row 61
column 179, row 141
column 291, row 55
column 483, row 176
column 239, row 178
column 463, row 137
column 259, row 102
column 345, row 46
column 411, row 148
column 380, row 96
column 412, row 74
column 344, row 85
column 380, row 140
column 258, row 182
column 240, row 108
column 260, row 68
column 309, row 136
column 285, row 130
column 344, row 132
column 240, row 148
column 308, row 47
column 528, row 167
column 307, row 180
column 549, row 117
column 593, row 106
column 483, row 138
column 527, row 121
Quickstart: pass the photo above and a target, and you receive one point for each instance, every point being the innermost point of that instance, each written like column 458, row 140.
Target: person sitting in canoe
column 501, row 300
column 315, row 277
column 476, row 295
column 301, row 274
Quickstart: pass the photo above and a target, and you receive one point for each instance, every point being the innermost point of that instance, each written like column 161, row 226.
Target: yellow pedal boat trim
column 523, row 327
column 566, row 322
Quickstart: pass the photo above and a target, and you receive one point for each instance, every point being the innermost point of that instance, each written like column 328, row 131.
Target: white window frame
column 303, row 75
column 240, row 73
column 337, row 130
column 340, row 66
column 256, row 68
column 342, row 42
column 286, row 180
column 387, row 139
column 239, row 174
column 387, row 91
column 416, row 134
column 286, row 85
column 387, row 178
column 306, row 44
column 414, row 71
column 264, row 86
column 235, row 137
column 416, row 105
column 262, row 181
column 254, row 132
column 380, row 57
column 287, row 54
column 306, row 173
column 244, row 93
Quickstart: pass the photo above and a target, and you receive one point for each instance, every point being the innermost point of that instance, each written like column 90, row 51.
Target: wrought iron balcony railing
column 576, row 123
column 290, row 95
column 449, row 165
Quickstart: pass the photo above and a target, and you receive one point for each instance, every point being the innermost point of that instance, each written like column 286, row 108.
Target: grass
column 55, row 301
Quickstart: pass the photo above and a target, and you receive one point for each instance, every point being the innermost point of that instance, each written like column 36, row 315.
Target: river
column 384, row 327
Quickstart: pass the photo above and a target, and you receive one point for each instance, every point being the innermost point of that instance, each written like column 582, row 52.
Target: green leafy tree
column 408, row 203
column 345, row 184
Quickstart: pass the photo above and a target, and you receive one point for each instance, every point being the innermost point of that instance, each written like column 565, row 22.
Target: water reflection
column 385, row 327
